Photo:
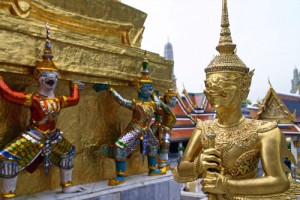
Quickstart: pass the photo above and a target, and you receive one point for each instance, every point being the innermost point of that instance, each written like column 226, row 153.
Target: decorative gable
column 273, row 109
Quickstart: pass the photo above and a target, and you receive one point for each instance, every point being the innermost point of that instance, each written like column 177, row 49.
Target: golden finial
column 47, row 63
column 144, row 73
column 227, row 60
column 225, row 43
column 270, row 82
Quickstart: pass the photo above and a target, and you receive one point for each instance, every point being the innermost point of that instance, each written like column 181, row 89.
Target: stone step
column 137, row 187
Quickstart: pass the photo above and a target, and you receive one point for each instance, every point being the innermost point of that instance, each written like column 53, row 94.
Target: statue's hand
column 80, row 84
column 155, row 126
column 213, row 183
column 210, row 159
column 73, row 189
column 101, row 87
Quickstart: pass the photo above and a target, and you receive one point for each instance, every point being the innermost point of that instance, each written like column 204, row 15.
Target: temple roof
column 273, row 108
column 292, row 102
column 190, row 107
column 289, row 129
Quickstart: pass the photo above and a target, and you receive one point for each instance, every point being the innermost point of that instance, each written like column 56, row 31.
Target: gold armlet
column 74, row 85
column 28, row 100
column 64, row 101
column 197, row 170
column 182, row 179
column 225, row 187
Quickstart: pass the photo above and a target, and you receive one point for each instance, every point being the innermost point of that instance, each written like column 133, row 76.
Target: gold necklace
column 241, row 120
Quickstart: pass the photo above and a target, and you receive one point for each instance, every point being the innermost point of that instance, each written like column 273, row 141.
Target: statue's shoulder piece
column 264, row 126
column 203, row 125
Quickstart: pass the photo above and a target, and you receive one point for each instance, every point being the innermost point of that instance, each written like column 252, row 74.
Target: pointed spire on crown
column 228, row 59
column 47, row 63
column 225, row 43
column 47, row 51
column 145, row 73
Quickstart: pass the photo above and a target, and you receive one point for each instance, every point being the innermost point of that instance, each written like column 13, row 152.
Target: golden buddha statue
column 225, row 152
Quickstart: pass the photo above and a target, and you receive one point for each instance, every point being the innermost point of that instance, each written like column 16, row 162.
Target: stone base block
column 135, row 188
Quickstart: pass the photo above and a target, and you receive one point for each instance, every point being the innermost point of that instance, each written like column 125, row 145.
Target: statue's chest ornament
column 51, row 108
column 243, row 136
column 147, row 108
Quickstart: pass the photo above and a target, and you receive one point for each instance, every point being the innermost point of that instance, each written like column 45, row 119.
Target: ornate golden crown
column 227, row 60
column 170, row 93
column 145, row 73
column 47, row 63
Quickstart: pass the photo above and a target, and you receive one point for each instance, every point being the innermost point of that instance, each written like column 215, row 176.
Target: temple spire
column 225, row 43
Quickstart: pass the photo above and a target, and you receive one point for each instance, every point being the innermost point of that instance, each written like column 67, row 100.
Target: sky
column 266, row 32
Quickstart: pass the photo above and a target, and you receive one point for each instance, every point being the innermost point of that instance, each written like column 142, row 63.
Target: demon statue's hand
column 214, row 183
column 208, row 160
column 80, row 84
column 101, row 87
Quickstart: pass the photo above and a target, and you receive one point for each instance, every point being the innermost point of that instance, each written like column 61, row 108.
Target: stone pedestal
column 136, row 187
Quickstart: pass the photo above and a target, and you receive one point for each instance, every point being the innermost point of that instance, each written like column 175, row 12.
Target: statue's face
column 222, row 90
column 172, row 102
column 48, row 79
column 146, row 90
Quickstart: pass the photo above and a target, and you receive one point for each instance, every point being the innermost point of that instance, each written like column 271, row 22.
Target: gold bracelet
column 225, row 188
column 196, row 166
column 75, row 85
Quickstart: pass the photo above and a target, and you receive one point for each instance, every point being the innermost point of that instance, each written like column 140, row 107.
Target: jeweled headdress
column 227, row 60
column 145, row 73
column 47, row 63
column 169, row 94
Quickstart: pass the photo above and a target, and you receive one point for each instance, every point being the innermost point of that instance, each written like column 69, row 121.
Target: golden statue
column 225, row 152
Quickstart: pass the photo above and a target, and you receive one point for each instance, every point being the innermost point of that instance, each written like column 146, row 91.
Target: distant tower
column 295, row 81
column 168, row 54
